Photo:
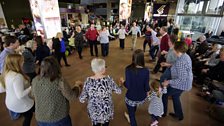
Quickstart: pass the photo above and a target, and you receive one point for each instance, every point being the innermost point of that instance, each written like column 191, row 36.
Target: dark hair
column 10, row 39
column 50, row 68
column 164, row 28
column 39, row 41
column 137, row 59
column 180, row 46
column 173, row 39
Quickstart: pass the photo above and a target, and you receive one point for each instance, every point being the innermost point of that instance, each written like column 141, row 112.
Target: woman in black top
column 42, row 50
column 79, row 40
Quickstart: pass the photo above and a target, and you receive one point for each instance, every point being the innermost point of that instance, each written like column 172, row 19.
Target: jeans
column 161, row 59
column 93, row 43
column 153, row 51
column 63, row 122
column 28, row 116
column 122, row 43
column 166, row 75
column 105, row 49
column 99, row 124
column 14, row 115
column 131, row 112
column 154, row 118
column 175, row 94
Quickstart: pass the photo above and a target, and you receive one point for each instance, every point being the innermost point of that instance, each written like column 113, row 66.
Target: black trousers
column 122, row 43
column 93, row 43
column 79, row 50
column 105, row 49
column 61, row 55
column 145, row 43
column 99, row 124
column 157, row 67
column 28, row 116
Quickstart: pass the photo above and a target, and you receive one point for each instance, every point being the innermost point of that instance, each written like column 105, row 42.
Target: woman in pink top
column 188, row 40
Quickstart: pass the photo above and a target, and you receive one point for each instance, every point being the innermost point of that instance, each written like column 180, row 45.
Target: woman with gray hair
column 97, row 91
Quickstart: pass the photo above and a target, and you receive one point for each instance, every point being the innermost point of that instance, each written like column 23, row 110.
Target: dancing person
column 59, row 48
column 104, row 41
column 137, row 84
column 121, row 34
column 79, row 40
column 155, row 108
column 42, row 50
column 155, row 43
column 134, row 30
column 181, row 80
column 97, row 91
column 91, row 36
column 148, row 38
column 17, row 88
column 52, row 94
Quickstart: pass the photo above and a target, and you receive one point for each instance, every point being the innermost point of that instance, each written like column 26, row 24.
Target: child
column 156, row 105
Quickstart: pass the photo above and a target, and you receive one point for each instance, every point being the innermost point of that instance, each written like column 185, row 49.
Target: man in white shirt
column 135, row 30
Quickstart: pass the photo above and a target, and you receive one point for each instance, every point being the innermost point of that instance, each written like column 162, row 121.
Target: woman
column 29, row 59
column 104, row 41
column 79, row 40
column 97, row 91
column 17, row 89
column 42, row 49
column 137, row 84
column 121, row 32
column 59, row 48
column 51, row 94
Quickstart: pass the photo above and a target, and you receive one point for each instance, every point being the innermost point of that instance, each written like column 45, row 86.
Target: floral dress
column 98, row 94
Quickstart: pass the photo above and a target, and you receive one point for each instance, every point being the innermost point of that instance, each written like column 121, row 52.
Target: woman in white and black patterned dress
column 97, row 91
column 156, row 105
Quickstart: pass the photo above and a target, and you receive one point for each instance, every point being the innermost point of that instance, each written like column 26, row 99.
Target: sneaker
column 127, row 116
column 154, row 123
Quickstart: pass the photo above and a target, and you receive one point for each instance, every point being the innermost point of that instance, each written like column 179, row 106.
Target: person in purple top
column 137, row 84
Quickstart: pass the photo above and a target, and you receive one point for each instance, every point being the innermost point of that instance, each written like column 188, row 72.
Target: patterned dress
column 156, row 104
column 98, row 94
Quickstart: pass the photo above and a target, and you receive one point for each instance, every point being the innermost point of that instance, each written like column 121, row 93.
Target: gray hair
column 97, row 65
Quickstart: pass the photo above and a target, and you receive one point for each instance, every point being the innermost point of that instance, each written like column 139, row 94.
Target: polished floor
column 193, row 106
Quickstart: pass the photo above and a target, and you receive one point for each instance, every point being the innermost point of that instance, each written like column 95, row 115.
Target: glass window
column 214, row 6
column 190, row 6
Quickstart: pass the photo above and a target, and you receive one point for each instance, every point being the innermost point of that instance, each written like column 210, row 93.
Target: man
column 91, row 36
column 181, row 80
column 164, row 46
column 134, row 30
column 11, row 44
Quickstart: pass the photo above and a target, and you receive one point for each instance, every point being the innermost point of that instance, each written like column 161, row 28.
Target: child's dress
column 156, row 103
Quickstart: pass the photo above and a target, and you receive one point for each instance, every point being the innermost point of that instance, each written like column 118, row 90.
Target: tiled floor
column 193, row 106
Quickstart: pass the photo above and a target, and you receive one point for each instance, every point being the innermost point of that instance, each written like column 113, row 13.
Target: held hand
column 79, row 84
column 121, row 81
column 165, row 83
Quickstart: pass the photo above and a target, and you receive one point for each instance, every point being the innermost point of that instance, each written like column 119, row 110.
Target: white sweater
column 122, row 33
column 17, row 99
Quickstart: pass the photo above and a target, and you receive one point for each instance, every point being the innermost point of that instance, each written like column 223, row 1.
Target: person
column 155, row 43
column 155, row 108
column 60, row 48
column 29, row 59
column 104, row 41
column 209, row 34
column 135, row 30
column 17, row 88
column 125, row 12
column 163, row 47
column 148, row 38
column 52, row 94
column 137, row 84
column 188, row 40
column 121, row 33
column 11, row 44
column 202, row 47
column 222, row 33
column 79, row 40
column 91, row 36
column 181, row 80
column 97, row 91
column 42, row 50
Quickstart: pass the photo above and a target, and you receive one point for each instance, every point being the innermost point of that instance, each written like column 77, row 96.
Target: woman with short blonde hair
column 15, row 82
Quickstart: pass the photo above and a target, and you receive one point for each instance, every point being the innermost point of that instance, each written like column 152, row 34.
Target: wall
column 15, row 10
column 2, row 17
column 221, row 26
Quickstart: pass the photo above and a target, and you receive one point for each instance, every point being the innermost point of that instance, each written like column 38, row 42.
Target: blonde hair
column 97, row 65
column 13, row 62
column 59, row 35
column 155, row 86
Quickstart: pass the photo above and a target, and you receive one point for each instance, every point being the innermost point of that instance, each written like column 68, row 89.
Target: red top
column 164, row 43
column 92, row 34
column 188, row 41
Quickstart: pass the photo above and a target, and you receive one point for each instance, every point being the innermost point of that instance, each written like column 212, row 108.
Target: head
column 163, row 30
column 31, row 44
column 122, row 27
column 172, row 40
column 78, row 28
column 92, row 26
column 202, row 38
column 98, row 66
column 221, row 54
column 138, row 58
column 59, row 35
column 124, row 5
column 50, row 68
column 180, row 48
column 134, row 24
column 39, row 41
column 104, row 28
column 148, row 28
column 11, row 42
column 188, row 36
column 155, row 86
column 216, row 47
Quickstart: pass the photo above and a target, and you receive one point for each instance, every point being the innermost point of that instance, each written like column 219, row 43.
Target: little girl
column 156, row 105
